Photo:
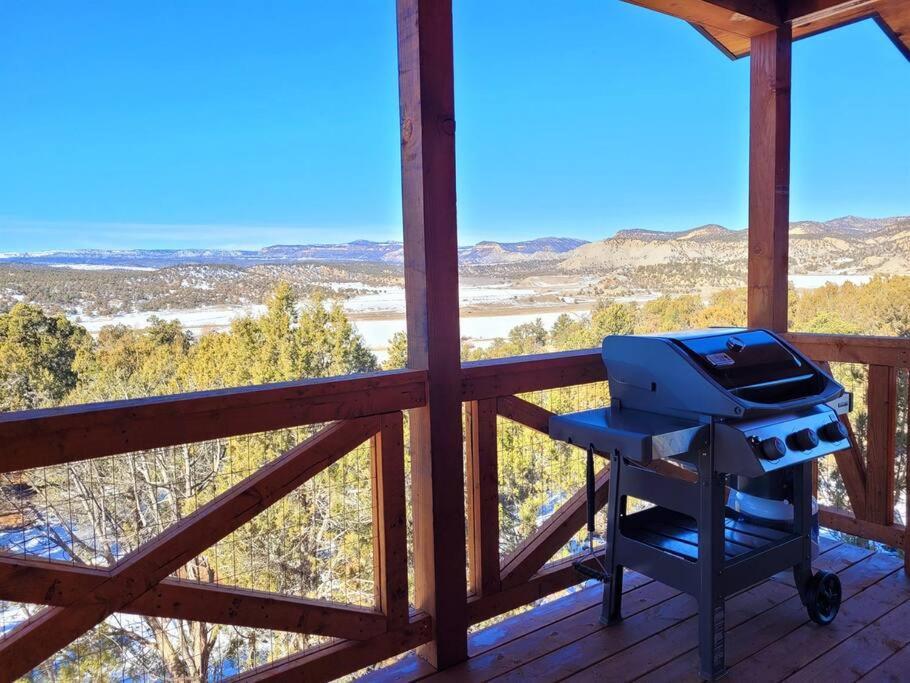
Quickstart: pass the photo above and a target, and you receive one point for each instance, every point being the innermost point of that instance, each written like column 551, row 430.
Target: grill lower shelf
column 676, row 533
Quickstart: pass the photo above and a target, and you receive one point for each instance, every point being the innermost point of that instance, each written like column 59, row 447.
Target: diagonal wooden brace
column 54, row 628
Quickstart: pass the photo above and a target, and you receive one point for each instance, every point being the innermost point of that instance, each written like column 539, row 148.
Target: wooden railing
column 361, row 408
column 78, row 597
column 870, row 478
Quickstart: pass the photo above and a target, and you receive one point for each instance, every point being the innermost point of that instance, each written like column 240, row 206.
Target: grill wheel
column 823, row 597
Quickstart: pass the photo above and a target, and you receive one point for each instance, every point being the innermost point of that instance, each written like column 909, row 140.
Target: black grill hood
column 719, row 372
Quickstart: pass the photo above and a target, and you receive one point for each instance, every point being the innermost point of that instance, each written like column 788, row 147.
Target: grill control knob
column 833, row 431
column 773, row 448
column 805, row 439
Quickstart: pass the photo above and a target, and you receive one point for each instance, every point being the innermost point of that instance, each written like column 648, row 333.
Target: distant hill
column 482, row 253
column 843, row 245
column 489, row 253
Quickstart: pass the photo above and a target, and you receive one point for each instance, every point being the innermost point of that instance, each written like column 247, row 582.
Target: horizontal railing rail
column 51, row 436
column 367, row 408
column 77, row 597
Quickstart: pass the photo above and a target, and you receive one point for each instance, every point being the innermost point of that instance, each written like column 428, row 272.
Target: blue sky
column 219, row 123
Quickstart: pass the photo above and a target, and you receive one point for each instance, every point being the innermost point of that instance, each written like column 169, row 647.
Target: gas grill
column 746, row 413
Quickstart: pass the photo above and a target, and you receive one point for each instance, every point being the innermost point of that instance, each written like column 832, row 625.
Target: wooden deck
column 768, row 635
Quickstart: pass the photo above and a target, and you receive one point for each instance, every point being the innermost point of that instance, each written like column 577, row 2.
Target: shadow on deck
column 769, row 637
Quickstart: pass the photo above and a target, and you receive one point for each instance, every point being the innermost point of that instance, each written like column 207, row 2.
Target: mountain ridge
column 848, row 241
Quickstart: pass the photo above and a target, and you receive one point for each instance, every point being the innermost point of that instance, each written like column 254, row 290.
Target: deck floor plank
column 860, row 654
column 769, row 637
column 768, row 626
column 554, row 637
column 788, row 655
column 894, row 668
column 674, row 643
column 641, row 628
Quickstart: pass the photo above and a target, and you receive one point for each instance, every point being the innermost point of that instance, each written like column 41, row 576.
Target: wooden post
column 426, row 94
column 390, row 537
column 769, row 179
column 483, row 495
column 881, row 435
column 907, row 483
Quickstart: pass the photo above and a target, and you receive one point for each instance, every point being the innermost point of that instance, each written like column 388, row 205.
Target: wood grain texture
column 809, row 18
column 881, row 444
column 390, row 528
column 769, row 179
column 341, row 658
column 47, row 437
column 524, row 413
column 55, row 627
column 551, row 579
column 850, row 464
column 427, row 104
column 522, row 563
column 893, row 535
column 56, row 583
column 521, row 374
column 741, row 17
column 482, row 462
column 846, row 348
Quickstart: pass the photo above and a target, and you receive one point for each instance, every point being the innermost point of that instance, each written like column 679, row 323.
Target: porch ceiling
column 729, row 24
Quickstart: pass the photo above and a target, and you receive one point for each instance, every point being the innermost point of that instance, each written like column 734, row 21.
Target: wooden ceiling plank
column 894, row 19
column 714, row 14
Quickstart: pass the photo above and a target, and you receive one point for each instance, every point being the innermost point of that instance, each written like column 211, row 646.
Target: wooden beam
column 524, row 413
column 907, row 481
column 390, row 528
column 899, row 38
column 522, row 563
column 881, row 443
column 553, row 534
column 520, row 374
column 54, row 583
column 850, row 464
column 427, row 104
column 483, row 495
column 769, row 179
column 846, row 522
column 39, row 438
column 845, row 348
column 54, row 628
column 742, row 17
column 334, row 660
column 553, row 578
column 804, row 11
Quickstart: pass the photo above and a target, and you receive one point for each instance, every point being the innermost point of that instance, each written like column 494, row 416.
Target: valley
column 502, row 284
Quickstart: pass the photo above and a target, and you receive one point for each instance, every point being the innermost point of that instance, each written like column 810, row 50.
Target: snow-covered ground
column 391, row 299
column 378, row 313
column 97, row 266
column 196, row 320
column 816, row 281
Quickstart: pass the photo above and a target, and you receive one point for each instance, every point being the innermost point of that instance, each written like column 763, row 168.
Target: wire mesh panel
column 317, row 542
column 127, row 647
column 536, row 474
column 855, row 379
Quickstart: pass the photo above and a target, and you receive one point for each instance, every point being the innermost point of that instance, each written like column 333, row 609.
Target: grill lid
column 723, row 372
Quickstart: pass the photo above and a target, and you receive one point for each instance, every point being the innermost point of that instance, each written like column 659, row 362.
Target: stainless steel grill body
column 734, row 405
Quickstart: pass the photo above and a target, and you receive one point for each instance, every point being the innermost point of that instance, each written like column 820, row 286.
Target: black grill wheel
column 823, row 597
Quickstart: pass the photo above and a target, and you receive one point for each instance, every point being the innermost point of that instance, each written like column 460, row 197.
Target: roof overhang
column 730, row 24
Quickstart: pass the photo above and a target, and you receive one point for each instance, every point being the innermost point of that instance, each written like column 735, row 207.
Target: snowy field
column 816, row 281
column 379, row 313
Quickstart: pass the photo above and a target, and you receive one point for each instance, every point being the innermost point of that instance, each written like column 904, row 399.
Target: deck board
column 769, row 637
